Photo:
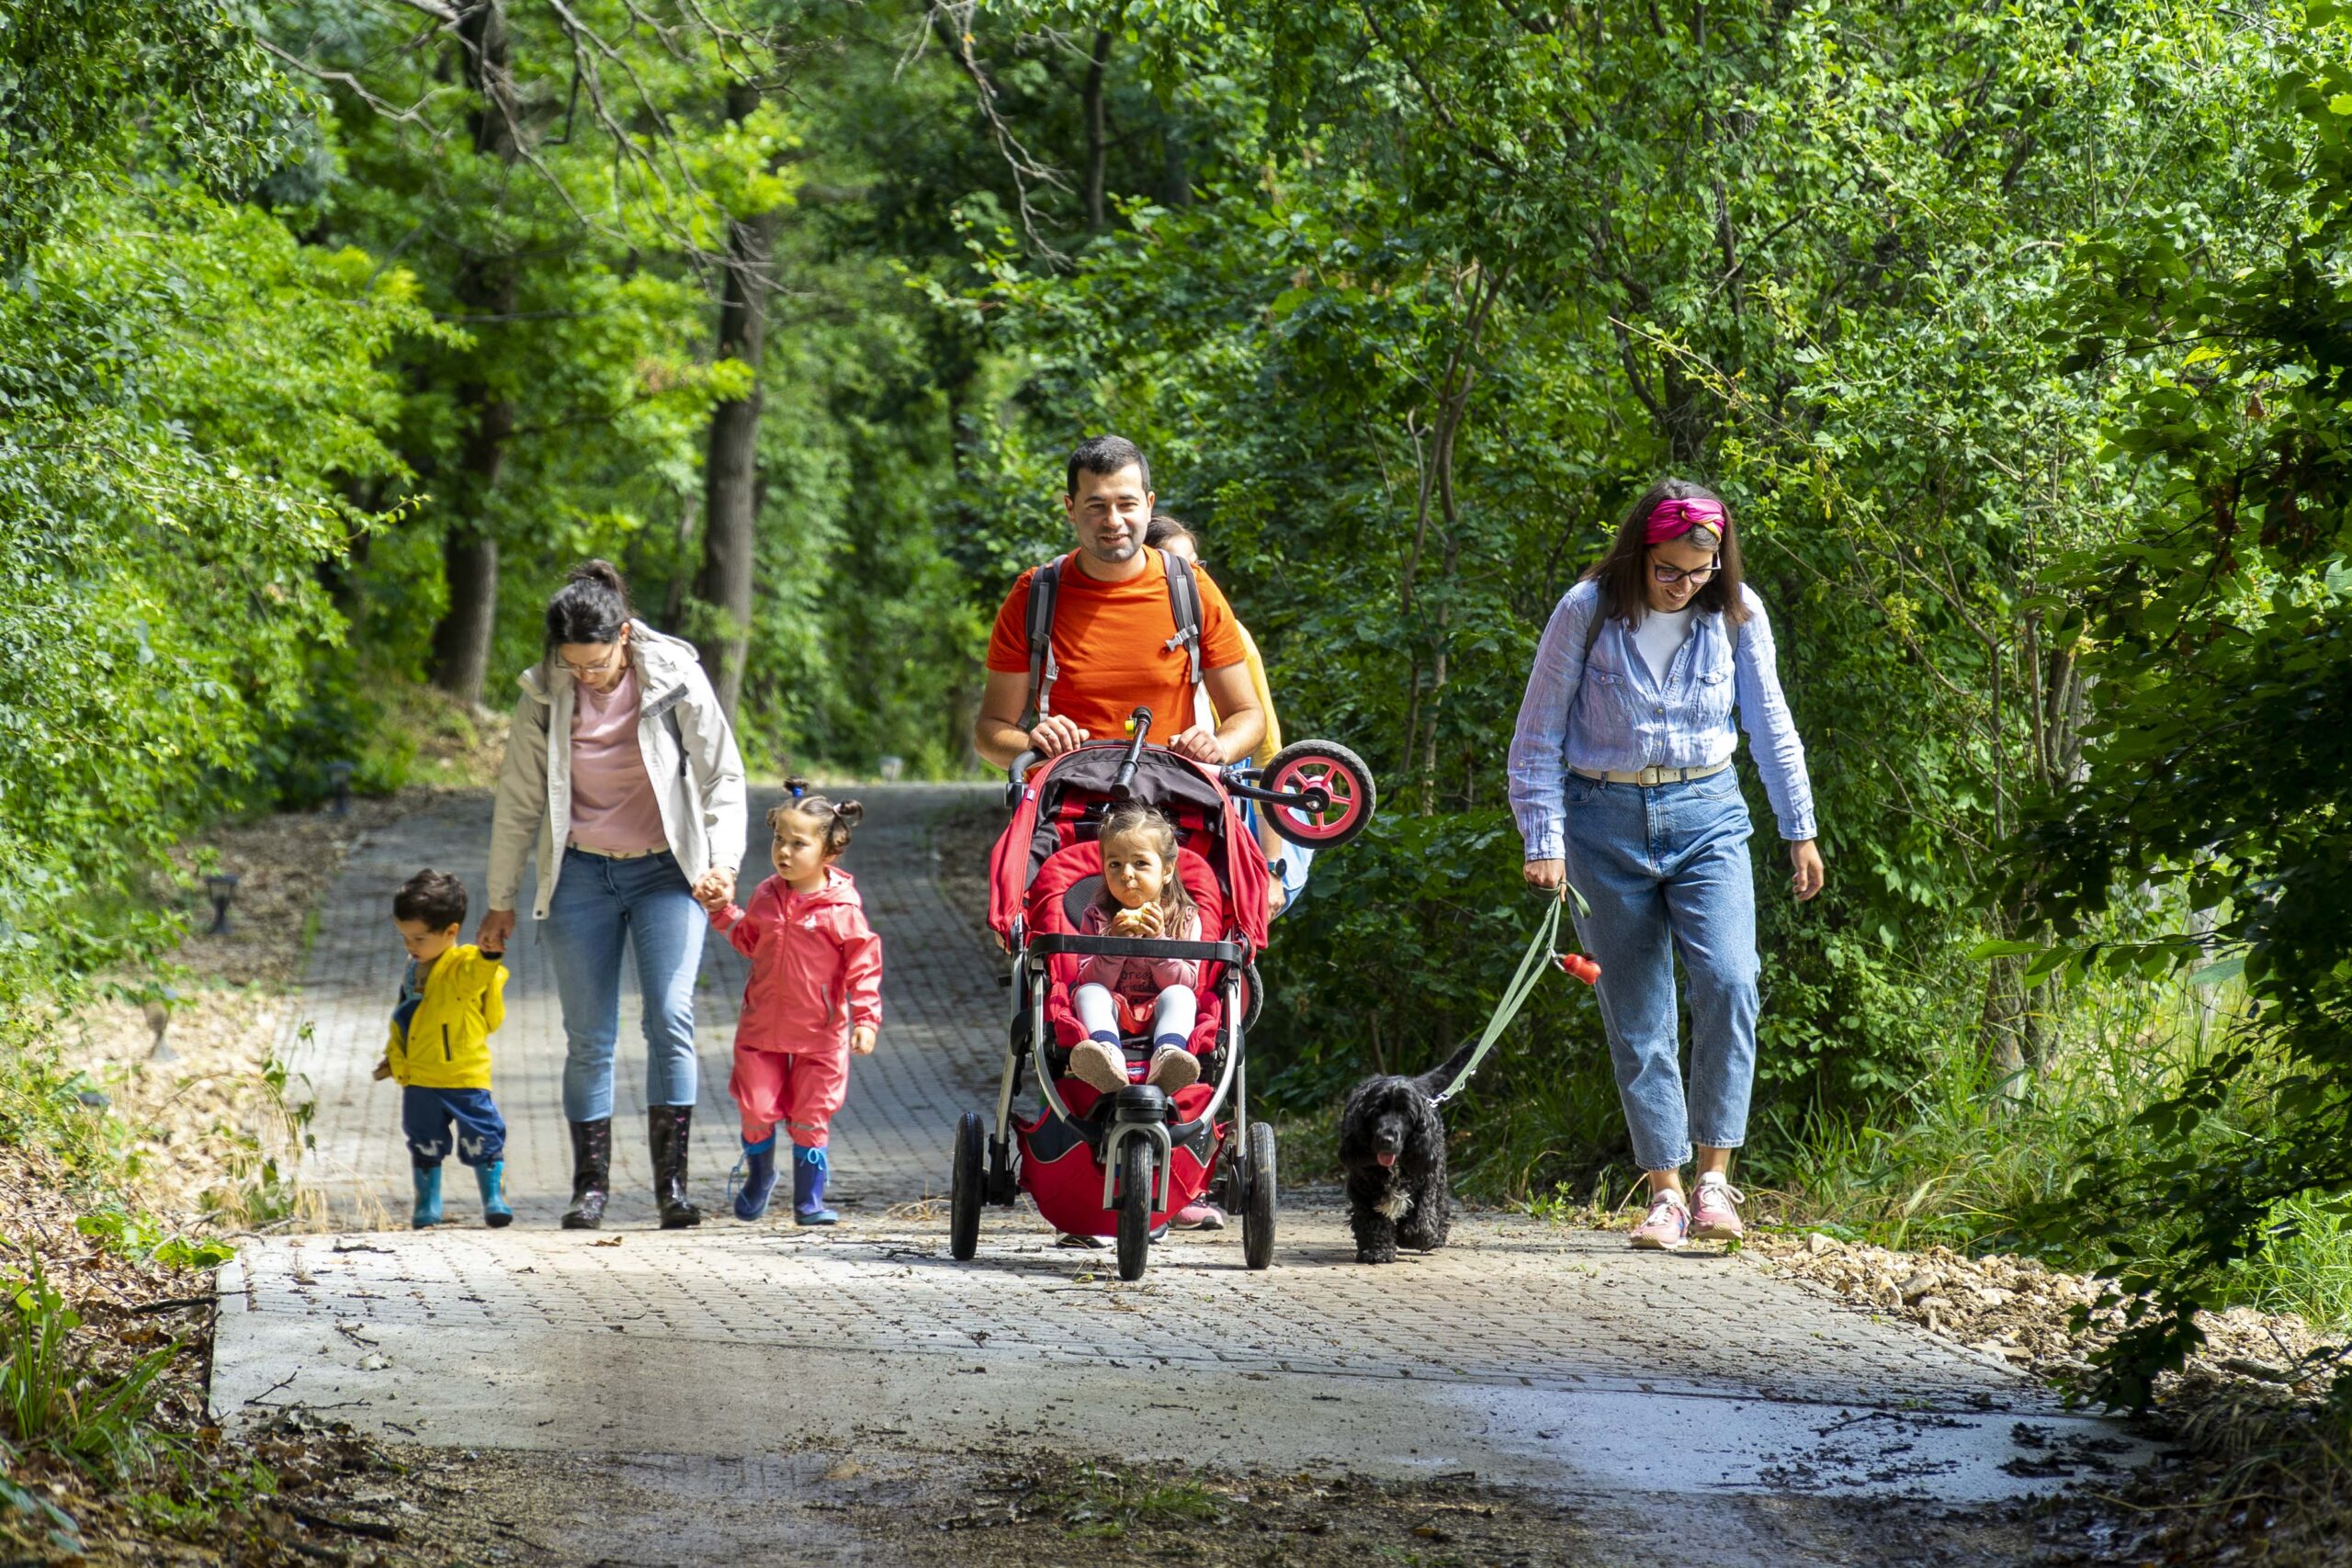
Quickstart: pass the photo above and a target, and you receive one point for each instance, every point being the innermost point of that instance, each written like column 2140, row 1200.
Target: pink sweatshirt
column 1137, row 979
column 816, row 966
column 613, row 806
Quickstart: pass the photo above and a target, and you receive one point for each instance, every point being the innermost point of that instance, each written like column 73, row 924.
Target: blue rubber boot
column 428, row 1196
column 808, row 1188
column 491, row 1178
column 759, row 1178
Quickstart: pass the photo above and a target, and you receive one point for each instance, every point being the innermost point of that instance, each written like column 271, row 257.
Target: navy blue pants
column 426, row 1115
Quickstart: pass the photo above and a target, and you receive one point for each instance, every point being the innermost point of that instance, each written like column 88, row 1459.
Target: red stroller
column 1120, row 1164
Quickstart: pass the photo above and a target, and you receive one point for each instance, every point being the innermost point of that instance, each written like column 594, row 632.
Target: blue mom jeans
column 1666, row 871
column 599, row 905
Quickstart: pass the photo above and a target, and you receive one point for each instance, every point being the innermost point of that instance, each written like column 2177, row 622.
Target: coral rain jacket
column 816, row 966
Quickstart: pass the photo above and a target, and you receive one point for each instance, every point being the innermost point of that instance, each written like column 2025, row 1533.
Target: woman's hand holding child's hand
column 712, row 889
column 861, row 1040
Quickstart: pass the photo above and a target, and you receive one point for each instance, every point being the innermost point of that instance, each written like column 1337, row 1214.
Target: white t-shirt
column 1660, row 636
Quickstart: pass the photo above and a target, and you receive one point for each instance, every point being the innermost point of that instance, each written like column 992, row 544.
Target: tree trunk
column 1098, row 139
column 731, row 466
column 731, row 469
column 461, row 642
column 485, row 288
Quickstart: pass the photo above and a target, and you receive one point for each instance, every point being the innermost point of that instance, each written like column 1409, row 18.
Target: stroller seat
column 1065, row 886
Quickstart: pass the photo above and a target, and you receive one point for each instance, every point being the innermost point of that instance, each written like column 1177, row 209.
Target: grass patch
column 1109, row 1505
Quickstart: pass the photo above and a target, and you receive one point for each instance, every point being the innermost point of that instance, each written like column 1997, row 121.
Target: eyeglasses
column 1670, row 575
column 586, row 671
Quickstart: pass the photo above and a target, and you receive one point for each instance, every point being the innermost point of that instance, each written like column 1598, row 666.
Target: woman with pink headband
column 1621, row 780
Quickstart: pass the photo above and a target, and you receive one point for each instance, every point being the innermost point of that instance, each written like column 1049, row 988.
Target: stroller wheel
column 1135, row 1208
column 1258, row 1210
column 1349, row 794
column 964, row 1189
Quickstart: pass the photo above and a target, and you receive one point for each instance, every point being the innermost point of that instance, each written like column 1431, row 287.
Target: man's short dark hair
column 1105, row 455
column 434, row 897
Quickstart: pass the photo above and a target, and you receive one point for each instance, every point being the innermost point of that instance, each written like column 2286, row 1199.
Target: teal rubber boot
column 809, row 1169
column 759, row 1178
column 428, row 1196
column 491, row 1178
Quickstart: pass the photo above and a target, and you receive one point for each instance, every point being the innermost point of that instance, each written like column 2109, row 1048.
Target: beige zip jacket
column 690, row 755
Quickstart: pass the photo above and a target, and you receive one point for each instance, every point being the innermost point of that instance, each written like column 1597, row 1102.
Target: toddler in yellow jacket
column 452, row 997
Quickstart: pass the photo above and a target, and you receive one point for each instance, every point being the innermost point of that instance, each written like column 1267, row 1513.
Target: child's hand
column 383, row 1069
column 711, row 891
column 861, row 1040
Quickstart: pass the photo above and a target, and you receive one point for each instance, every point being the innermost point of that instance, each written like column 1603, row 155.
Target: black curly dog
column 1391, row 1144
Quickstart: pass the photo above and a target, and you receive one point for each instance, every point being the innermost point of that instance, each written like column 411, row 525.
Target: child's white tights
column 1171, row 1015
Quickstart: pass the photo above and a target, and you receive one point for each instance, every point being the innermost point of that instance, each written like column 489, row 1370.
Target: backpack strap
column 1184, row 608
column 1045, row 585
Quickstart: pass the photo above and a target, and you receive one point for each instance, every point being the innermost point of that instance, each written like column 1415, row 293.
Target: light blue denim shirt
column 1607, row 712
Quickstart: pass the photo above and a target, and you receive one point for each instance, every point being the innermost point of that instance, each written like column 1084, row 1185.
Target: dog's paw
column 1375, row 1254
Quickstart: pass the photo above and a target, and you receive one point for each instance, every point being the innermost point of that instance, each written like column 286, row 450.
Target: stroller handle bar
column 1016, row 773
column 1140, row 947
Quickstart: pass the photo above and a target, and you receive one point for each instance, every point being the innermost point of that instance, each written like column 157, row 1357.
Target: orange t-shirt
column 1110, row 647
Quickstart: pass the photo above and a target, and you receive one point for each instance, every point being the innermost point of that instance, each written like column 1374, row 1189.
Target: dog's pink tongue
column 1386, row 1159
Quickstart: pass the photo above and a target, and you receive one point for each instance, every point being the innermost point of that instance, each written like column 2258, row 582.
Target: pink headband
column 1672, row 519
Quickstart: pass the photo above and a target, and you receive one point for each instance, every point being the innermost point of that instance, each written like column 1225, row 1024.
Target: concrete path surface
column 1545, row 1358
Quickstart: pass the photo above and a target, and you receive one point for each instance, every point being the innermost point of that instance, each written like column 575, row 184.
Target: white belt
column 618, row 854
column 1649, row 778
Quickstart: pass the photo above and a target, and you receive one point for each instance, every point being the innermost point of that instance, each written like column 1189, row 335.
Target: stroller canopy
column 1063, row 805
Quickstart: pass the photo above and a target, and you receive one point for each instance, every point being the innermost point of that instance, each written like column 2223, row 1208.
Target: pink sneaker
column 1714, row 1216
column 1668, row 1226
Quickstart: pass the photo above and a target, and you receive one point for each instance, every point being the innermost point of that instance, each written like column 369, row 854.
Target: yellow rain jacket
column 446, row 1044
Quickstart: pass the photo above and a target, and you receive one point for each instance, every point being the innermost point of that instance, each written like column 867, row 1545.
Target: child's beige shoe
column 1100, row 1064
column 1173, row 1068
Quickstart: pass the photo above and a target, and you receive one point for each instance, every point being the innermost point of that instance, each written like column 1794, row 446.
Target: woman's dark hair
column 1623, row 572
column 1162, row 528
column 434, row 898
column 833, row 819
column 592, row 605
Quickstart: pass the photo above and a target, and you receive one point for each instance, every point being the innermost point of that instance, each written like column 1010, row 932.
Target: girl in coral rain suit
column 815, row 997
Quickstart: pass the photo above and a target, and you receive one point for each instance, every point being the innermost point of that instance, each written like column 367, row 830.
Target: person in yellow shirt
column 452, row 997
column 1286, row 861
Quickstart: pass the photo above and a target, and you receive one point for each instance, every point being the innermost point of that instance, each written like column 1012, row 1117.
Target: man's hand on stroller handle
column 1054, row 735
column 1201, row 744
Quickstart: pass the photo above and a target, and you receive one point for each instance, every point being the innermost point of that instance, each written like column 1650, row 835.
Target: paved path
column 1550, row 1357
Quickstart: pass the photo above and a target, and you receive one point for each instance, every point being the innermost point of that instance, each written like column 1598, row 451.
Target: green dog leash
column 1532, row 965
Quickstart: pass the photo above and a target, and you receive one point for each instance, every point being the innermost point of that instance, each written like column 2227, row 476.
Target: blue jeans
column 599, row 903
column 1666, row 871
column 426, row 1115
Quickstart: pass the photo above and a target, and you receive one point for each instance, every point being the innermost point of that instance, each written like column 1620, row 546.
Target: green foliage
column 55, row 1395
column 2220, row 636
column 208, row 107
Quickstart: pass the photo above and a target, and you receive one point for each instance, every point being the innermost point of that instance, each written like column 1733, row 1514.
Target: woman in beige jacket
column 623, row 787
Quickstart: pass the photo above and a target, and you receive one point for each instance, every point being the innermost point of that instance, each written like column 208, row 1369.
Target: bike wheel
column 1349, row 794
column 1135, row 1208
column 965, row 1188
column 1258, row 1214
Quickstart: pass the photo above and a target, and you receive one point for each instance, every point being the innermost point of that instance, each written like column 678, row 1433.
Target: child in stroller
column 1142, row 897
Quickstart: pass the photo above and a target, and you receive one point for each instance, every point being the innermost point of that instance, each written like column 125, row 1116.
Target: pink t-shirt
column 613, row 807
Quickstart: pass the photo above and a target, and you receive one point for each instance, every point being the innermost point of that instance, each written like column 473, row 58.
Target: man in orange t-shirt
column 1112, row 628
